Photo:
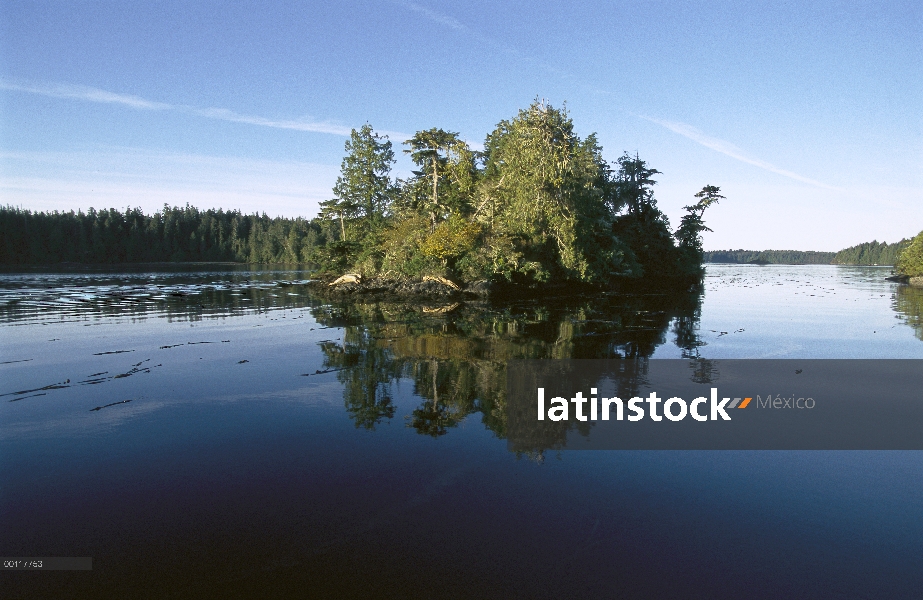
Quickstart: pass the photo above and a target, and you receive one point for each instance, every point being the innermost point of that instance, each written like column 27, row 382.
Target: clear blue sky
column 809, row 116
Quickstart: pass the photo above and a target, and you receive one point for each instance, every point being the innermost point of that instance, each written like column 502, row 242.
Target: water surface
column 220, row 432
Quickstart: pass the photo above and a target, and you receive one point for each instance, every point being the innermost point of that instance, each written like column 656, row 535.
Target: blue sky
column 809, row 118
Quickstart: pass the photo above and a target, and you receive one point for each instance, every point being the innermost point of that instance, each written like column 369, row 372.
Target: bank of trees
column 174, row 234
column 871, row 253
column 781, row 257
column 539, row 203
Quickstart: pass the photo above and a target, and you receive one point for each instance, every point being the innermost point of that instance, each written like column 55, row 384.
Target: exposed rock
column 916, row 281
column 898, row 278
column 379, row 287
column 347, row 278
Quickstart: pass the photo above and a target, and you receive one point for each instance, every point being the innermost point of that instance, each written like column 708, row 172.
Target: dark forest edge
column 774, row 257
column 539, row 206
column 868, row 253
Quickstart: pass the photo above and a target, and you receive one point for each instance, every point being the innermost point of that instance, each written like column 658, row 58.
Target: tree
column 633, row 184
column 543, row 199
column 446, row 162
column 363, row 188
column 643, row 227
column 691, row 226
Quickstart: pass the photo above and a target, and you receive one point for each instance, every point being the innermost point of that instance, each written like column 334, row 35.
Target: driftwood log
column 441, row 280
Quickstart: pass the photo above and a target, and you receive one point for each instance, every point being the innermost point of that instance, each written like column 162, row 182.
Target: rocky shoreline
column 354, row 286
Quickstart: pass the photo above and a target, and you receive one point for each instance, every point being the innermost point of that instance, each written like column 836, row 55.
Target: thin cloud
column 91, row 94
column 683, row 129
column 223, row 114
column 729, row 149
column 434, row 16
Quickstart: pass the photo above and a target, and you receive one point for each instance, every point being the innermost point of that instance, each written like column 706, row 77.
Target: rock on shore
column 428, row 287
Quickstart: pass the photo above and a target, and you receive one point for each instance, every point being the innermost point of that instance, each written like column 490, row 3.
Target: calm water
column 221, row 433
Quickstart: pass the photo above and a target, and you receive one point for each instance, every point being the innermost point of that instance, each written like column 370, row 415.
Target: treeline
column 780, row 257
column 173, row 234
column 871, row 253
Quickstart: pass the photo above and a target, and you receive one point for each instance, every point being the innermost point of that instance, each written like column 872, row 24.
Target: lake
column 216, row 431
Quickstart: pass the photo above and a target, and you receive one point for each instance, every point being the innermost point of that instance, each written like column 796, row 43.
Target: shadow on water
column 457, row 359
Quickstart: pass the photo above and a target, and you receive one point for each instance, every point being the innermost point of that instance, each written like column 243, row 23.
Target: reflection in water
column 908, row 303
column 457, row 359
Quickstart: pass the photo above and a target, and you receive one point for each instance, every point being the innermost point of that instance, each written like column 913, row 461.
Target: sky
column 808, row 116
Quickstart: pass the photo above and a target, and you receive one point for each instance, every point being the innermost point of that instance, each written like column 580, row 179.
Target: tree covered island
column 538, row 206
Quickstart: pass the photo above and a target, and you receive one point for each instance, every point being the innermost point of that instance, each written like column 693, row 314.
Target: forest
column 539, row 203
column 173, row 234
column 871, row 253
column 780, row 257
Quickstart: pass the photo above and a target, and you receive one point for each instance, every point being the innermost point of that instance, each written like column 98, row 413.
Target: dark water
column 223, row 434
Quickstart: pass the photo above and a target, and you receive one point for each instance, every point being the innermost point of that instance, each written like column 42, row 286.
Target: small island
column 538, row 208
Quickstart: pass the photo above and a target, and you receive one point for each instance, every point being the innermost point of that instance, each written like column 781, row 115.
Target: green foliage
column 871, row 253
column 447, row 173
column 362, row 191
column 544, row 199
column 170, row 235
column 910, row 261
column 451, row 238
column 402, row 242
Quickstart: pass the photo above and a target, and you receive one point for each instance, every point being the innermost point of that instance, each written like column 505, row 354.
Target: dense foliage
column 910, row 261
column 172, row 234
column 871, row 253
column 780, row 257
column 538, row 204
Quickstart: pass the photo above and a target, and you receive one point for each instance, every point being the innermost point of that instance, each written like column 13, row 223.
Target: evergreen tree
column 362, row 191
column 447, row 170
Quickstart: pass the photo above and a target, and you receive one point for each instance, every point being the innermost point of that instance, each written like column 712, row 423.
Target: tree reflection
column 908, row 303
column 457, row 359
